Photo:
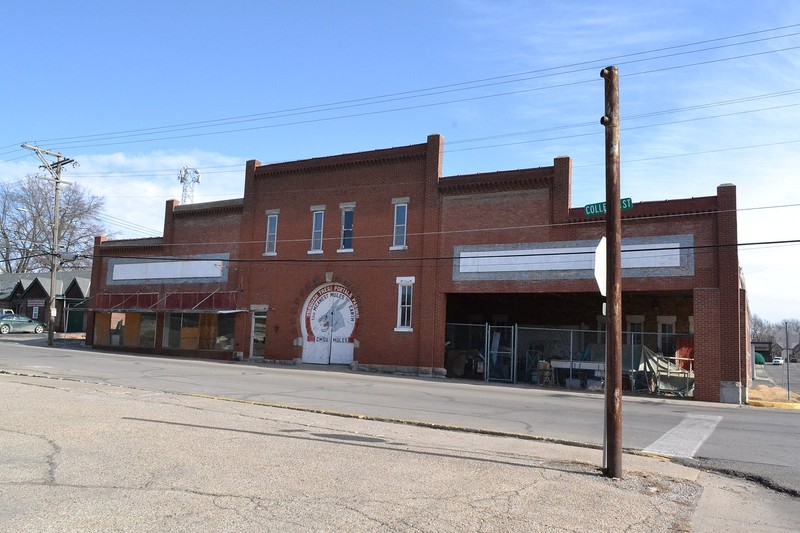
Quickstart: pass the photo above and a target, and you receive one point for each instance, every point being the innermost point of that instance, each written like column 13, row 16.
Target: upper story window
column 317, row 220
column 346, row 241
column 400, row 223
column 405, row 292
column 272, row 233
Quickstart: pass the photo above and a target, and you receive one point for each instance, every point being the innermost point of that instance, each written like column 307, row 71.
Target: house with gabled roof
column 28, row 293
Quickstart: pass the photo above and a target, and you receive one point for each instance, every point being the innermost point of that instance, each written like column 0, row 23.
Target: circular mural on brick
column 329, row 321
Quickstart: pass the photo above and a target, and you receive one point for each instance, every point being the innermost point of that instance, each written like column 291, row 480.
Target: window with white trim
column 666, row 335
column 317, row 220
column 400, row 224
column 405, row 291
column 272, row 233
column 635, row 330
column 346, row 236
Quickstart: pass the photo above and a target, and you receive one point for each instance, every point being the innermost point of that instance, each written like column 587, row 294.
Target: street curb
column 430, row 425
column 666, row 465
column 777, row 405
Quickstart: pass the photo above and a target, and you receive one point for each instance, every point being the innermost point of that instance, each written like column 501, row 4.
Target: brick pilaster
column 707, row 344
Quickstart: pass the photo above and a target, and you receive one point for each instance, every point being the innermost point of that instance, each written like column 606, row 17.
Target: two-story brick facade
column 367, row 259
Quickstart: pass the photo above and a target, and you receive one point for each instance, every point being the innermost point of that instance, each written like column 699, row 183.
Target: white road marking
column 686, row 438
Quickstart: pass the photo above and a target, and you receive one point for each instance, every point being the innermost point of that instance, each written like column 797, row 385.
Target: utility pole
column 54, row 168
column 613, row 411
column 786, row 362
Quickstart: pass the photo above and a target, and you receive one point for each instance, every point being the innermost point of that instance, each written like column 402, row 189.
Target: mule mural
column 328, row 324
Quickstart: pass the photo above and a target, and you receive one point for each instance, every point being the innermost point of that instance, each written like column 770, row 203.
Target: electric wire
column 358, row 102
column 231, row 168
column 471, row 84
column 128, row 225
column 526, row 227
column 157, row 173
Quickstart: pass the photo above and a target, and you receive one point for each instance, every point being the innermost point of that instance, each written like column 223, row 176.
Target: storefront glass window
column 196, row 331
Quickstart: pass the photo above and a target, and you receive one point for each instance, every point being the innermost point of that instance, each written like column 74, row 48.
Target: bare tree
column 792, row 326
column 761, row 330
column 26, row 214
column 764, row 331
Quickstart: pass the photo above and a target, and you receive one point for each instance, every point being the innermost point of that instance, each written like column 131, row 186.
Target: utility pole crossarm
column 41, row 150
column 54, row 167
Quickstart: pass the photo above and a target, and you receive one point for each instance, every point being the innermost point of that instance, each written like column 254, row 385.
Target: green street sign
column 600, row 207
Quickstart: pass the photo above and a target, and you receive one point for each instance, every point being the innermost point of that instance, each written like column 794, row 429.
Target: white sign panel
column 577, row 258
column 168, row 270
column 652, row 256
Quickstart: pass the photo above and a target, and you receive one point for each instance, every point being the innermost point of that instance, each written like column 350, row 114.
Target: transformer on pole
column 188, row 177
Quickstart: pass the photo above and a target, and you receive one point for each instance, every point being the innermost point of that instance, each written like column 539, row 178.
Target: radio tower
column 188, row 177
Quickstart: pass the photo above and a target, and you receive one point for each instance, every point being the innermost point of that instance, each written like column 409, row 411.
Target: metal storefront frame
column 564, row 357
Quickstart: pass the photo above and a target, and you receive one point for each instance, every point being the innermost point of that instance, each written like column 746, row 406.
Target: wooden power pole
column 613, row 411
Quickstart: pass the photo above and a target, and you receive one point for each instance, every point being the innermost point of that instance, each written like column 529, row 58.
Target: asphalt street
column 753, row 442
column 749, row 442
column 81, row 456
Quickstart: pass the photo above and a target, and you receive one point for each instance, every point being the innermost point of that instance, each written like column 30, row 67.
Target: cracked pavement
column 87, row 457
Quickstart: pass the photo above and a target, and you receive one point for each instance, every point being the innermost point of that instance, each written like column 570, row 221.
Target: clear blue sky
column 134, row 91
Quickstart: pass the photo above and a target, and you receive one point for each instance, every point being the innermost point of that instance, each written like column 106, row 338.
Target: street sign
column 600, row 266
column 600, row 207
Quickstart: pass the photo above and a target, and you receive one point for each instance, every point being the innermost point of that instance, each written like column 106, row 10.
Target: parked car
column 8, row 312
column 777, row 360
column 20, row 324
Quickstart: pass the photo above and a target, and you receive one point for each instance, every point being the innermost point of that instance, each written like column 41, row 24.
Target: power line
column 164, row 172
column 168, row 172
column 519, row 78
column 703, row 152
column 591, row 64
column 128, row 225
column 631, row 128
column 644, row 115
column 597, row 221
column 419, row 93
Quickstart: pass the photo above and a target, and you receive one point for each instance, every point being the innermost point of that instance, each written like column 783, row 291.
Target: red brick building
column 376, row 260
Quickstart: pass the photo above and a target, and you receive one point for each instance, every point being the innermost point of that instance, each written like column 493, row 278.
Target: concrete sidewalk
column 87, row 457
